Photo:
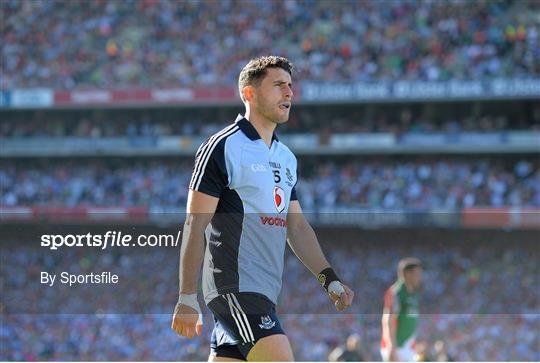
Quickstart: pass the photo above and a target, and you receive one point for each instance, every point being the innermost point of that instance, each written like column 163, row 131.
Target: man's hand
column 186, row 321
column 393, row 355
column 344, row 300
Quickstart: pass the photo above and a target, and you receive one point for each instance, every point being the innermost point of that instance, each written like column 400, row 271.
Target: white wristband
column 191, row 301
column 336, row 287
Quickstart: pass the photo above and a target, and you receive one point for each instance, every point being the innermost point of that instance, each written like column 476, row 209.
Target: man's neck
column 410, row 287
column 264, row 127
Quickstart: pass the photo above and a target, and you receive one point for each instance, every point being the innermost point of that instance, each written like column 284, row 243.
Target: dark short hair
column 407, row 264
column 255, row 70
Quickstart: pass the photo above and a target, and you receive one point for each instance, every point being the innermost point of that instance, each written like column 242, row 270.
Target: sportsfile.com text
column 109, row 239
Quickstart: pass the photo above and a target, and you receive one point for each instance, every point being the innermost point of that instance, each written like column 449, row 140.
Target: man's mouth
column 285, row 106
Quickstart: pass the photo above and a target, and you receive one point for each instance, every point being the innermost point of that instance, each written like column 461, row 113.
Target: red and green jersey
column 404, row 304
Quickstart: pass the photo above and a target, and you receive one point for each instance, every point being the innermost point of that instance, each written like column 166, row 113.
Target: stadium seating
column 451, row 184
column 149, row 43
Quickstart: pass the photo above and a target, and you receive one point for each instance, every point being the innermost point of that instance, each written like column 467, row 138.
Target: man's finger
column 177, row 325
column 349, row 296
column 174, row 324
column 347, row 299
column 179, row 329
column 189, row 332
column 198, row 328
column 343, row 301
column 333, row 296
column 339, row 305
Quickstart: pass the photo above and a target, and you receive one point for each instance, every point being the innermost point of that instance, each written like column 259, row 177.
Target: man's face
column 273, row 96
column 414, row 277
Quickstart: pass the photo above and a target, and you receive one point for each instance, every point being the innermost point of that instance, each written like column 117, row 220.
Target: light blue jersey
column 247, row 235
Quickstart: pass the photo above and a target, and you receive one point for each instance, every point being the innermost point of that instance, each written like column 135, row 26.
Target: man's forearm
column 392, row 326
column 389, row 328
column 305, row 246
column 191, row 255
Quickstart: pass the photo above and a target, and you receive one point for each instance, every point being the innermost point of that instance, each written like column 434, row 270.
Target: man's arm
column 303, row 241
column 199, row 212
column 306, row 247
column 389, row 323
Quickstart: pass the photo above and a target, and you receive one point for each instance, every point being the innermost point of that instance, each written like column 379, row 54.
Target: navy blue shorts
column 240, row 320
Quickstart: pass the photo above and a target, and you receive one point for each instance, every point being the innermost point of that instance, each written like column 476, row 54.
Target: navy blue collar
column 248, row 129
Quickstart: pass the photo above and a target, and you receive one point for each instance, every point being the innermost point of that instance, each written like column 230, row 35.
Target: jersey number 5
column 277, row 178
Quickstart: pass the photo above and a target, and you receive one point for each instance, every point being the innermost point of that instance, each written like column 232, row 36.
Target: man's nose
column 289, row 92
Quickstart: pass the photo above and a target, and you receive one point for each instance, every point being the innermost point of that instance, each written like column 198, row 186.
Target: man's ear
column 248, row 92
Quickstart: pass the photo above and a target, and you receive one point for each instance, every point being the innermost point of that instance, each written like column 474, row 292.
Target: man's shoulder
column 285, row 150
column 225, row 132
column 218, row 139
column 396, row 288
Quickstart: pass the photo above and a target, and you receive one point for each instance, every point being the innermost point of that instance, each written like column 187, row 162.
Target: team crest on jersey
column 289, row 175
column 266, row 322
column 279, row 199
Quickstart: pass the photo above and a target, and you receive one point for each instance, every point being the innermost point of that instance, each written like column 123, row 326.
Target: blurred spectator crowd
column 325, row 120
column 147, row 128
column 148, row 43
column 369, row 183
column 480, row 299
column 445, row 184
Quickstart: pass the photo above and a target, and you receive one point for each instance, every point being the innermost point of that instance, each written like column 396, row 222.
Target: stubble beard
column 272, row 115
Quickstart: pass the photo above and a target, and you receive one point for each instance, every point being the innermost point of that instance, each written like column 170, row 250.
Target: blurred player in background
column 242, row 195
column 400, row 313
column 351, row 352
column 440, row 352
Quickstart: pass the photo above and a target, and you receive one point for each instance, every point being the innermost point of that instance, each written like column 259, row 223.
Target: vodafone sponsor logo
column 273, row 221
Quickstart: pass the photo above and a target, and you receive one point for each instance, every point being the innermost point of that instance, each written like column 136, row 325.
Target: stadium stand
column 397, row 119
column 105, row 44
column 414, row 183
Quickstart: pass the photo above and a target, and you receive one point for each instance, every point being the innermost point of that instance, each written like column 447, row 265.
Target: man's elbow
column 197, row 222
column 294, row 231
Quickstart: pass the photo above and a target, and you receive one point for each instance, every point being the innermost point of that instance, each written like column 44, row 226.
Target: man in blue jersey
column 242, row 200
